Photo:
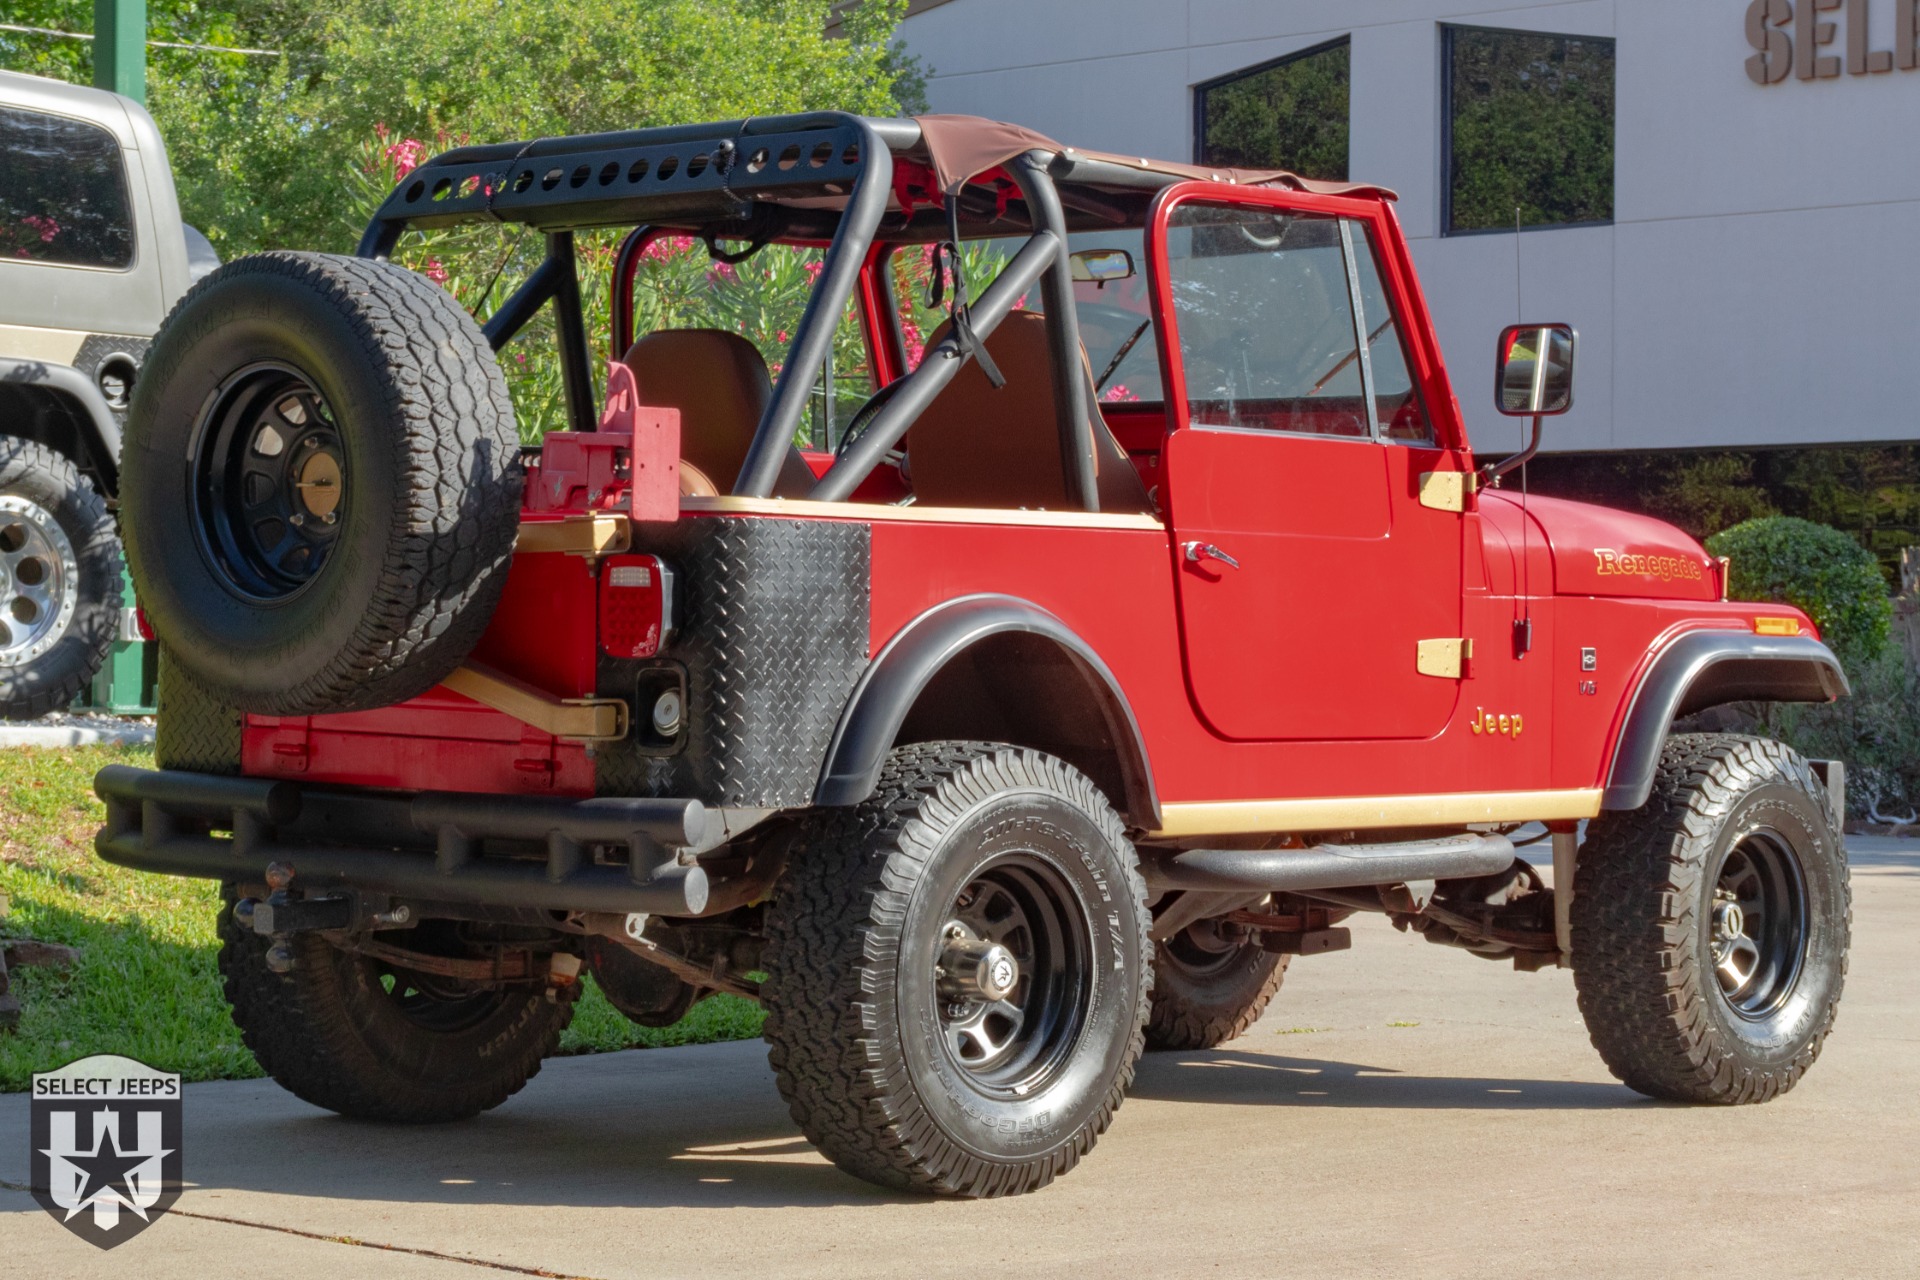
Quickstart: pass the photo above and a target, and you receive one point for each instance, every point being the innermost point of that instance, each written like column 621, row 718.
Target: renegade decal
column 1608, row 562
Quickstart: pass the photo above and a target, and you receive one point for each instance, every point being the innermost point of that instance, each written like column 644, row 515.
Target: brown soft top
column 963, row 147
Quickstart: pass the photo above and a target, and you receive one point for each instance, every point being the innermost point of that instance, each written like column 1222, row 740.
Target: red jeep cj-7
column 1028, row 724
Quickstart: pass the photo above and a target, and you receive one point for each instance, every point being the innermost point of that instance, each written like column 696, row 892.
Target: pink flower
column 781, row 336
column 46, row 226
column 666, row 247
column 436, row 271
column 721, row 271
column 1118, row 393
column 813, row 270
column 405, row 155
column 916, row 343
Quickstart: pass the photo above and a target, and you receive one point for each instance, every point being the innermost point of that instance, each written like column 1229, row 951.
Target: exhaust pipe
column 1327, row 866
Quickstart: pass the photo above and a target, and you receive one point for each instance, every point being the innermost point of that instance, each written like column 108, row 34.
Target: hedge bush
column 1818, row 569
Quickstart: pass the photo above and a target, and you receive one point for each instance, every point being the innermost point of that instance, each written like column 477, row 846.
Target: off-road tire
column 194, row 729
column 69, row 655
column 329, row 1033
column 428, row 484
column 1644, row 928
column 853, row 1013
column 1203, row 1005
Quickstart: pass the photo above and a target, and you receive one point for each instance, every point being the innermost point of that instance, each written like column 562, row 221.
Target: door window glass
column 1265, row 320
column 1396, row 400
column 63, row 192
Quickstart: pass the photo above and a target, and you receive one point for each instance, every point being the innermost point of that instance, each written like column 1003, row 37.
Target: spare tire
column 321, row 484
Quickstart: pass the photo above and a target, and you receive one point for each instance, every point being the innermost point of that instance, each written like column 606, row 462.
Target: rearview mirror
column 1536, row 370
column 1097, row 266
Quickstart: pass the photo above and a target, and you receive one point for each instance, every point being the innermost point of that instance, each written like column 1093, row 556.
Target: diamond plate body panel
column 772, row 638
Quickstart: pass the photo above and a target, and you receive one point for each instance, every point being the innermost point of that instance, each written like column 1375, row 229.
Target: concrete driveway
column 1404, row 1109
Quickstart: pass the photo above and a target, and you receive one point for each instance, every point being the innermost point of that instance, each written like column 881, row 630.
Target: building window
column 1288, row 114
column 63, row 192
column 1529, row 127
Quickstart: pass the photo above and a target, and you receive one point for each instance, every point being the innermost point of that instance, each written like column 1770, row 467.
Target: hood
column 1597, row 551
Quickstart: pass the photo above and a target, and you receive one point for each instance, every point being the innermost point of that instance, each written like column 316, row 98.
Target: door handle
column 1198, row 551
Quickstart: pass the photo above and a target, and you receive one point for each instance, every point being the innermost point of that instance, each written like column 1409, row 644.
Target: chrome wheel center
column 974, row 969
column 38, row 574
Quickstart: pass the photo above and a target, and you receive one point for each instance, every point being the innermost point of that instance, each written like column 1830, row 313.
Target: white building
column 1758, row 282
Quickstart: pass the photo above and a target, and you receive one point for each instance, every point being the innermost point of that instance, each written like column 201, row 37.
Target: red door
column 1309, row 569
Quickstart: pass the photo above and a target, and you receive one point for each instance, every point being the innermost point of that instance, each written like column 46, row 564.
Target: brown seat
column 980, row 447
column 718, row 381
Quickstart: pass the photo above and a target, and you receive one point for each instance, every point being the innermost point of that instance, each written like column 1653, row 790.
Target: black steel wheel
column 957, row 972
column 1211, row 981
column 373, row 1040
column 1759, row 922
column 1710, row 926
column 268, row 482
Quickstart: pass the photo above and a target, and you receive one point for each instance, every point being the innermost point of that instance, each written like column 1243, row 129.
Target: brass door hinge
column 1447, row 490
column 1446, row 659
column 575, row 719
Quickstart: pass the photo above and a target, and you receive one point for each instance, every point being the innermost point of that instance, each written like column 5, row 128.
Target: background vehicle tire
column 1210, row 983
column 321, row 486
column 59, row 581
column 910, row 1053
column 355, row 1036
column 1710, row 926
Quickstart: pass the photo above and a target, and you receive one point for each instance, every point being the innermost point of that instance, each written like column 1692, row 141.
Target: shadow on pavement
column 1248, row 1079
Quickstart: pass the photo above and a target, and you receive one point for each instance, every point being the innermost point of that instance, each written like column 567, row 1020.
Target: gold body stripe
column 1251, row 817
column 927, row 515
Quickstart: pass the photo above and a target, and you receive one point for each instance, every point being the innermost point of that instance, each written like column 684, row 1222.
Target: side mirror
column 1536, row 370
column 1097, row 266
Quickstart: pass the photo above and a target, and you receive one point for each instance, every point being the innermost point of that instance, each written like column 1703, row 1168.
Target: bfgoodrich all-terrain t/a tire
column 356, row 1036
column 59, row 580
column 958, row 972
column 1211, row 982
column 1710, row 926
column 321, row 484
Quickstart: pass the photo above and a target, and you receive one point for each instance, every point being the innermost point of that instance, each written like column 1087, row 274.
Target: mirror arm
column 1494, row 470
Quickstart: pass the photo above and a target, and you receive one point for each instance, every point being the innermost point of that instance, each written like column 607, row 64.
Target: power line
column 152, row 44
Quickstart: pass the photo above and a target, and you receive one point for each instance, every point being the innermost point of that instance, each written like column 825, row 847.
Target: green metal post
column 120, row 47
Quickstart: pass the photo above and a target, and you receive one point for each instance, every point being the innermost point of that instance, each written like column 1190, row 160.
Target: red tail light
column 636, row 606
column 142, row 626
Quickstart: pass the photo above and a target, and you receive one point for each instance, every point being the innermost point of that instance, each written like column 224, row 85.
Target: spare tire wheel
column 321, row 484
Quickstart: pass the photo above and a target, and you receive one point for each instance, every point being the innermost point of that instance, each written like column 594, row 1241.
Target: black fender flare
column 99, row 432
column 889, row 686
column 1701, row 669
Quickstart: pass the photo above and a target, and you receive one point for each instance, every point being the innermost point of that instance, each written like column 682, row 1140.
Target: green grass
column 146, row 985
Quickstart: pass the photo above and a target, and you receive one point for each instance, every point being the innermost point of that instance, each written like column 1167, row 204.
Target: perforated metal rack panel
column 773, row 637
column 599, row 186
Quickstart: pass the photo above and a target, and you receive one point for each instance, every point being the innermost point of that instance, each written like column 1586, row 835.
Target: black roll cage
column 725, row 180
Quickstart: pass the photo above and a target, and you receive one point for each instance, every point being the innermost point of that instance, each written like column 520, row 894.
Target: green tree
column 262, row 146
